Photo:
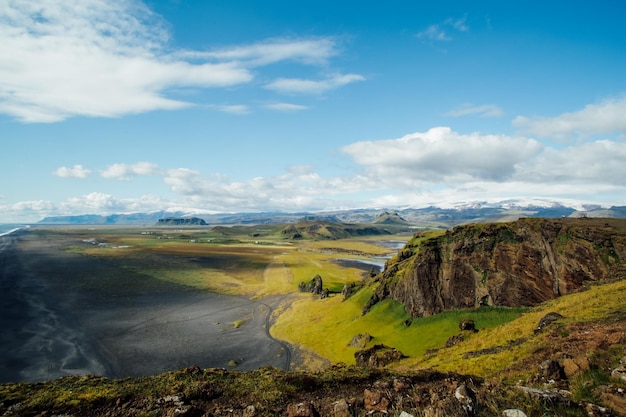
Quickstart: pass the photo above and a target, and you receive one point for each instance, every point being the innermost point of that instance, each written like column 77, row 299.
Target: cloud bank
column 439, row 166
column 109, row 58
column 595, row 119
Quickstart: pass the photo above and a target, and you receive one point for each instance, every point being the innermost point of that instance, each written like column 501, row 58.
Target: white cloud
column 96, row 203
column 233, row 108
column 441, row 155
column 99, row 58
column 600, row 163
column 486, row 110
column 288, row 107
column 458, row 24
column 595, row 119
column 302, row 86
column 434, row 33
column 307, row 51
column 77, row 171
column 438, row 32
column 125, row 171
column 105, row 58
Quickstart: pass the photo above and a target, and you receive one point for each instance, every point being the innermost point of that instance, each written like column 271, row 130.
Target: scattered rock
column 453, row 340
column 467, row 325
column 301, row 410
column 619, row 373
column 546, row 395
column 467, row 398
column 513, row 412
column 612, row 398
column 171, row 400
column 547, row 319
column 401, row 384
column 594, row 410
column 551, row 370
column 405, row 414
column 575, row 365
column 249, row 411
column 360, row 340
column 377, row 356
column 375, row 401
column 341, row 408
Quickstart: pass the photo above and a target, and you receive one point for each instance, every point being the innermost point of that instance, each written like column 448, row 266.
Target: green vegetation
column 331, row 324
column 598, row 303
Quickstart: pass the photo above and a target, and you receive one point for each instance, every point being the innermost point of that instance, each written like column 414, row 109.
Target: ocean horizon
column 8, row 228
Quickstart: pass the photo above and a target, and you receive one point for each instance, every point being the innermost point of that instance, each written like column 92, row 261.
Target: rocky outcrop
column 521, row 263
column 377, row 356
column 314, row 286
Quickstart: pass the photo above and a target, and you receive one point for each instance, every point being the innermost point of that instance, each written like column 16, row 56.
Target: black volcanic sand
column 68, row 314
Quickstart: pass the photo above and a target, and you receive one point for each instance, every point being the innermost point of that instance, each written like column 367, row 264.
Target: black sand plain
column 68, row 314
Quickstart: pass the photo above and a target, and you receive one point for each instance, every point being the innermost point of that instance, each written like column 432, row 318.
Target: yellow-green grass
column 597, row 303
column 327, row 326
column 242, row 268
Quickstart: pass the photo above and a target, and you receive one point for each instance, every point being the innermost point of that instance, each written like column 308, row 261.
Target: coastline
column 67, row 314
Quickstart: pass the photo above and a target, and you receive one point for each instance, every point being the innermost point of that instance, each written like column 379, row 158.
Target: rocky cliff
column 521, row 263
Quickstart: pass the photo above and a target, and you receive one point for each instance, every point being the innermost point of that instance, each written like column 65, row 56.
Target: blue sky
column 124, row 106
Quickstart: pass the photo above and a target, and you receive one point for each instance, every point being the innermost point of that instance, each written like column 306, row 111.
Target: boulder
column 619, row 373
column 360, row 340
column 551, row 370
column 305, row 409
column 377, row 356
column 375, row 401
column 467, row 325
column 467, row 398
column 572, row 366
column 547, row 319
column 513, row 412
column 341, row 408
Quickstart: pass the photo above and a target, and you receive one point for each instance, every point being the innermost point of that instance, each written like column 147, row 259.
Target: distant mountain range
column 425, row 217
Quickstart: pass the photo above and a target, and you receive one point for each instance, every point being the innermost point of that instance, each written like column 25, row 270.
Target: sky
column 111, row 106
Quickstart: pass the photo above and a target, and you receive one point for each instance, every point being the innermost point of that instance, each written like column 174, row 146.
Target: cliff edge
column 521, row 263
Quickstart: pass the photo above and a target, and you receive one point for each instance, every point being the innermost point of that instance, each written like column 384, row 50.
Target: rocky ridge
column 521, row 263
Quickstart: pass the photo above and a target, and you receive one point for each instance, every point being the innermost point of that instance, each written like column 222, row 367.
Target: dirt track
column 64, row 313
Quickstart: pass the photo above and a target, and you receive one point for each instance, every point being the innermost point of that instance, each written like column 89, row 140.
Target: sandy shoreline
column 66, row 314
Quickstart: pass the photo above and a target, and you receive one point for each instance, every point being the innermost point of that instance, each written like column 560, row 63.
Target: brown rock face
column 521, row 263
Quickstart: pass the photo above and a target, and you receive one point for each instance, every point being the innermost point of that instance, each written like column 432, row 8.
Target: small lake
column 376, row 262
